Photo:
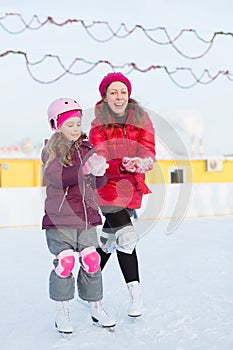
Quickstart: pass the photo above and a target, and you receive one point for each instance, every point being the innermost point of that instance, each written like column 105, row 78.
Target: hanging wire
column 204, row 78
column 121, row 32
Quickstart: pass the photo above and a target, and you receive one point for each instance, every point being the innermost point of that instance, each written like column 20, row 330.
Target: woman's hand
column 137, row 164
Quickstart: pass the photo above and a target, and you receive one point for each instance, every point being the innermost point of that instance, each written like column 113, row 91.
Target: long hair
column 106, row 116
column 59, row 147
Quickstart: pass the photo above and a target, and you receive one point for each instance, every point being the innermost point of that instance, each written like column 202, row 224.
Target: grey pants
column 90, row 287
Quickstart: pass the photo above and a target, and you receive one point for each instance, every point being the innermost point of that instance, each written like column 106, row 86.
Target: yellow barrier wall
column 20, row 172
column 200, row 174
column 27, row 172
column 195, row 171
column 161, row 171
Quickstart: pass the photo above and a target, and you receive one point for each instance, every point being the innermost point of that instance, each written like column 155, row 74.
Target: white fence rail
column 24, row 206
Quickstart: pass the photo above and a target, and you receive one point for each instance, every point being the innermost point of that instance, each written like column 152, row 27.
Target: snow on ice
column 186, row 282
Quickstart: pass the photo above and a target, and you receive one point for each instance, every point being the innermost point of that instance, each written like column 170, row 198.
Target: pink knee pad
column 65, row 263
column 90, row 259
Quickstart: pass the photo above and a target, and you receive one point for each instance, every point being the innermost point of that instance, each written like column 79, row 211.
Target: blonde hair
column 59, row 147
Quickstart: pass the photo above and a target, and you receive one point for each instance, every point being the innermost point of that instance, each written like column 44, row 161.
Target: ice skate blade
column 135, row 316
column 63, row 332
column 110, row 328
column 66, row 336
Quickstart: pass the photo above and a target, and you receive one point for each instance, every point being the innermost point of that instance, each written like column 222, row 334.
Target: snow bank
column 24, row 206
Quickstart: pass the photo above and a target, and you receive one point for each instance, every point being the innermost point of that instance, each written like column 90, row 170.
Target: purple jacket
column 69, row 194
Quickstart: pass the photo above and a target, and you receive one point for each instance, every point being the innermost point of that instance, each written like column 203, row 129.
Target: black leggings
column 128, row 262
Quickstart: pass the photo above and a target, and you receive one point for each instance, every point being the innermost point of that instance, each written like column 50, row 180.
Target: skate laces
column 100, row 315
column 65, row 310
column 100, row 308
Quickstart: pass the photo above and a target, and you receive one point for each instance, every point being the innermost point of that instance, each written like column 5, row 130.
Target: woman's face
column 71, row 128
column 117, row 97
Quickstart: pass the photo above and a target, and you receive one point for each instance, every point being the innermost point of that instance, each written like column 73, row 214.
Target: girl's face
column 71, row 128
column 117, row 97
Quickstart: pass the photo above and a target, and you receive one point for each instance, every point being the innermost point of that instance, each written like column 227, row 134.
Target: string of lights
column 121, row 32
column 204, row 78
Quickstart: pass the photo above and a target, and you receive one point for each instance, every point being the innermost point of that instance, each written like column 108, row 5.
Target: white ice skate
column 100, row 316
column 62, row 317
column 135, row 299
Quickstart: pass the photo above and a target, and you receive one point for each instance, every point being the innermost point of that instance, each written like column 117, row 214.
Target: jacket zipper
column 125, row 134
column 83, row 192
column 63, row 199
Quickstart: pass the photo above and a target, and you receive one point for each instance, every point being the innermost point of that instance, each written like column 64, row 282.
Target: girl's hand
column 95, row 165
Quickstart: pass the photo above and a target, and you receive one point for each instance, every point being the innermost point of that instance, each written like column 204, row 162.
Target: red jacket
column 115, row 141
column 69, row 194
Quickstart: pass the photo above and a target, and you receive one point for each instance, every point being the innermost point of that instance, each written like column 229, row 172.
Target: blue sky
column 205, row 110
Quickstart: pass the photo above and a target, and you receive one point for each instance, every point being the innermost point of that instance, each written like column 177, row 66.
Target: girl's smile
column 71, row 128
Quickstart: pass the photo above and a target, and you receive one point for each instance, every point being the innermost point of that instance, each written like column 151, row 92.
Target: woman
column 122, row 132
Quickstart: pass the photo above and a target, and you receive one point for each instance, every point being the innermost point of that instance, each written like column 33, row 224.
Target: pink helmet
column 59, row 106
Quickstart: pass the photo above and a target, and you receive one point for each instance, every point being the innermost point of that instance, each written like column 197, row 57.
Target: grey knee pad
column 107, row 242
column 126, row 239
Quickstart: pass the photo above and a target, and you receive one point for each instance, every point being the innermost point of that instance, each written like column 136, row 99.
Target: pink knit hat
column 110, row 78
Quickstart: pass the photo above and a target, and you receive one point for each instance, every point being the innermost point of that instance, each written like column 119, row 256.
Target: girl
column 122, row 132
column 71, row 170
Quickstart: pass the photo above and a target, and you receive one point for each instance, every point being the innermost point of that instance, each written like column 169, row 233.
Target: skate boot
column 100, row 316
column 135, row 299
column 62, row 317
